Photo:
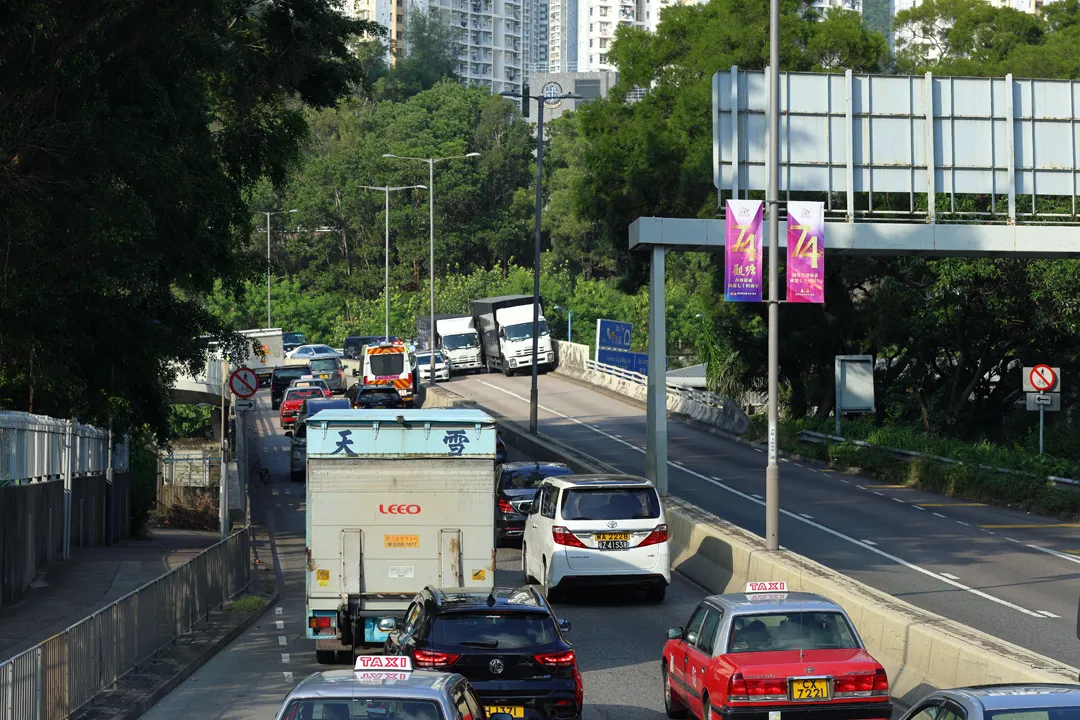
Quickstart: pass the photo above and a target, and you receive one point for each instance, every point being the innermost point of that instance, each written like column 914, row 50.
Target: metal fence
column 38, row 447
column 704, row 397
column 198, row 469
column 54, row 679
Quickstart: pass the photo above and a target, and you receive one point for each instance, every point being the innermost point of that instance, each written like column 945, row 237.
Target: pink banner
column 806, row 252
column 742, row 251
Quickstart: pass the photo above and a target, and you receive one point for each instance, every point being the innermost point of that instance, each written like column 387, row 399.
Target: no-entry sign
column 1042, row 378
column 243, row 382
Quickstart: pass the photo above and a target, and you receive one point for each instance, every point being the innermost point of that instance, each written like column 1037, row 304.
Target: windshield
column 610, row 504
column 791, row 631
column 1057, row 713
column 386, row 364
column 505, row 631
column 302, row 393
column 353, row 708
column 293, row 338
column 529, row 478
column 327, row 365
column 523, row 331
column 288, row 375
column 465, row 341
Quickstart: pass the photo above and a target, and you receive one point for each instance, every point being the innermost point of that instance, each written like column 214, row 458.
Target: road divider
column 920, row 650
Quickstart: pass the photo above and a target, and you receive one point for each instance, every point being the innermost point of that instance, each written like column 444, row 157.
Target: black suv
column 506, row 642
column 515, row 489
column 282, row 378
column 373, row 397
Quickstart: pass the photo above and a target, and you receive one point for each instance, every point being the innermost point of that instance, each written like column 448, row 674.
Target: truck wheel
column 325, row 657
column 507, row 372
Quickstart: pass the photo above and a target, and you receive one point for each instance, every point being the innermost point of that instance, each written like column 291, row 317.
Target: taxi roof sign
column 772, row 586
column 398, row 663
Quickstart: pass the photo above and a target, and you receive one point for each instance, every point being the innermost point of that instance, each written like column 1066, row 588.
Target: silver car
column 363, row 694
column 1036, row 701
column 423, row 365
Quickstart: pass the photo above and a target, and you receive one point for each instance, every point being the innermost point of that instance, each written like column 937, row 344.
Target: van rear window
column 387, row 364
column 610, row 504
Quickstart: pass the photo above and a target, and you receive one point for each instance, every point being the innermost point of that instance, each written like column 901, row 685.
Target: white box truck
column 505, row 326
column 268, row 355
column 396, row 500
column 456, row 337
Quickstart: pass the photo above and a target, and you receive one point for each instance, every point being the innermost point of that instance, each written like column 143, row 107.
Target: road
column 618, row 641
column 1007, row 573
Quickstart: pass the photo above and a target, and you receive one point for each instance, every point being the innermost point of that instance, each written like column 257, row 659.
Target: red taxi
column 769, row 654
column 292, row 401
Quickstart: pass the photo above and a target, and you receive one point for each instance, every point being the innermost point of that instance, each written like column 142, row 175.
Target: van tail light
column 432, row 658
column 367, row 380
column 506, row 507
column 658, row 535
column 565, row 658
column 562, row 536
column 881, row 683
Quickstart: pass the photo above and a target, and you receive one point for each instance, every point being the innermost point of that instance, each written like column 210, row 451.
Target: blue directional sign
column 632, row 361
column 613, row 335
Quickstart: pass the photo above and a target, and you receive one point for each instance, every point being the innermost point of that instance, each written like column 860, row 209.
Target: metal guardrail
column 38, row 447
column 191, row 469
column 52, row 680
column 823, row 438
column 703, row 397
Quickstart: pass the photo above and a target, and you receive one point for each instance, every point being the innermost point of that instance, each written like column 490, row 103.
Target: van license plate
column 514, row 711
column 603, row 537
column 613, row 545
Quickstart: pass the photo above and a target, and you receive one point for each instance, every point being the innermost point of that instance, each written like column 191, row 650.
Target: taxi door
column 699, row 653
column 678, row 663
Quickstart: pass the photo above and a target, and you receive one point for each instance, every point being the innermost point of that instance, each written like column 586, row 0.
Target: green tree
column 428, row 55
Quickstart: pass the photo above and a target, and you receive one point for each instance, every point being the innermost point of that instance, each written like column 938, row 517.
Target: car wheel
column 655, row 593
column 672, row 706
column 325, row 657
column 706, row 708
column 529, row 579
column 552, row 594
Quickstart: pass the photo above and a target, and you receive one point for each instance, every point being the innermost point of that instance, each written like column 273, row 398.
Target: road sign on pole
column 244, row 405
column 243, row 382
column 1042, row 379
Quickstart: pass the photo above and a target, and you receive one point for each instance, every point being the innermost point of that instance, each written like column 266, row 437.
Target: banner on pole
column 806, row 252
column 742, row 251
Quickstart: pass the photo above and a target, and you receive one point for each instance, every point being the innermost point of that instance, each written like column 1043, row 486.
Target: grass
column 1031, row 492
column 248, row 604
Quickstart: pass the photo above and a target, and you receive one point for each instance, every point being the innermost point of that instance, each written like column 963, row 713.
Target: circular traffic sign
column 243, row 382
column 1042, row 377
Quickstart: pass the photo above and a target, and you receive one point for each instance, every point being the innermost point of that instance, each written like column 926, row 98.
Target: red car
column 291, row 402
column 768, row 653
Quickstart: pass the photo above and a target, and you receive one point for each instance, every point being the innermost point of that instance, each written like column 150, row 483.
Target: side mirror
column 387, row 624
column 288, row 433
column 356, row 372
column 563, row 624
column 674, row 633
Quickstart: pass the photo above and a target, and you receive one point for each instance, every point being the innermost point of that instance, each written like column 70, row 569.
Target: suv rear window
column 387, row 364
column 289, row 374
column 387, row 396
column 504, row 631
column 610, row 504
column 327, row 365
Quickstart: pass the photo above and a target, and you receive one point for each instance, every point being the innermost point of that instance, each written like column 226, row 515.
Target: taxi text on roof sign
column 383, row 662
column 773, row 586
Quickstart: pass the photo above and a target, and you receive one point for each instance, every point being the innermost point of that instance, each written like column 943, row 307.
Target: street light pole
column 772, row 469
column 386, row 254
column 431, row 224
column 534, row 392
column 269, row 322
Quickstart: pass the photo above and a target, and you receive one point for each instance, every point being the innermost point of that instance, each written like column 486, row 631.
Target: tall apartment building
column 536, row 34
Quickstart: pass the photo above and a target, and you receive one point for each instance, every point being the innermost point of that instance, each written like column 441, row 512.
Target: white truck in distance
column 458, row 339
column 505, row 325
column 396, row 500
column 268, row 355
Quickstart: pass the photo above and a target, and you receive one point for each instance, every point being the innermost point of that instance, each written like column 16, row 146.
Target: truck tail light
column 562, row 536
column 316, row 623
column 658, row 535
column 433, row 658
column 565, row 658
column 881, row 683
column 505, row 506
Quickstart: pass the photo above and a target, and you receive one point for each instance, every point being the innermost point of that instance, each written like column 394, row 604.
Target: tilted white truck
column 267, row 355
column 456, row 337
column 505, row 325
column 396, row 500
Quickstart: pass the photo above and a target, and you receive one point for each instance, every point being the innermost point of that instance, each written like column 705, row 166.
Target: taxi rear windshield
column 356, row 708
column 386, row 364
column 610, row 504
column 791, row 631
column 495, row 631
column 303, row 393
column 1057, row 713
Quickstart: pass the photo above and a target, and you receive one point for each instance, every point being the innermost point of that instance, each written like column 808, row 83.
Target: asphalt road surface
column 618, row 640
column 1007, row 573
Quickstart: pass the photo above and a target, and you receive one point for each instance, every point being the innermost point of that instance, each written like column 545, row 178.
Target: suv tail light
column 506, row 507
column 562, row 536
column 565, row 658
column 432, row 658
column 881, row 682
column 658, row 535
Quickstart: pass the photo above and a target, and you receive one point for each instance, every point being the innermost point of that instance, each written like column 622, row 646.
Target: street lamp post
column 541, row 100
column 569, row 322
column 268, row 214
column 386, row 273
column 431, row 223
column 772, row 468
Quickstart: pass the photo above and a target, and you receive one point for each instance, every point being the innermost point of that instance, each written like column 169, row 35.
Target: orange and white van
column 389, row 364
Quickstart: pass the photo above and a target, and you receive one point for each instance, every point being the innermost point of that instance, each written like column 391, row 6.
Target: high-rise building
column 536, row 35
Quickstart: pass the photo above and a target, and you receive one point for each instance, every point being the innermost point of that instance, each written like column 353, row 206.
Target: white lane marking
column 759, row 450
column 808, row 517
column 1012, row 540
column 950, row 576
column 1049, row 551
column 280, row 624
column 871, row 543
column 846, row 482
column 897, row 500
column 784, row 460
column 919, row 508
column 938, row 515
column 618, row 436
column 760, row 501
column 1047, row 613
column 879, row 493
column 288, row 675
column 676, row 462
column 860, row 487
column 595, row 427
column 961, row 522
column 282, row 640
column 717, row 479
column 278, row 610
column 285, row 658
column 797, row 464
column 989, row 532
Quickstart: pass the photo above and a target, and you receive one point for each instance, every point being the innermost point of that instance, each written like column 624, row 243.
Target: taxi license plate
column 515, row 711
column 814, row 689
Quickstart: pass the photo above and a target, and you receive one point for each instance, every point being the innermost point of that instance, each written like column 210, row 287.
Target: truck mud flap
column 450, row 562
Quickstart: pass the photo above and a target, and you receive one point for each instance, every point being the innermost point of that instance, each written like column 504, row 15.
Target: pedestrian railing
column 191, row 469
column 38, row 447
column 703, row 397
column 52, row 680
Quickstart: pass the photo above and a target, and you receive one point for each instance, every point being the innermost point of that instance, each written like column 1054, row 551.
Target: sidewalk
column 91, row 579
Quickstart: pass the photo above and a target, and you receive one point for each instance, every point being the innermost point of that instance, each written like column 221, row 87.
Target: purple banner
column 742, row 251
column 806, row 252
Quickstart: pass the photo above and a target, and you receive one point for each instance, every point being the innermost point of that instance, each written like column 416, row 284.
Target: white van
column 389, row 364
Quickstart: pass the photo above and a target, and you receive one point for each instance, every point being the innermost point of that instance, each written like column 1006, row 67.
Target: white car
column 423, row 366
column 597, row 530
column 311, row 351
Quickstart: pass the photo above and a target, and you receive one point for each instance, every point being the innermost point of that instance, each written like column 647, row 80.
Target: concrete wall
column 571, row 363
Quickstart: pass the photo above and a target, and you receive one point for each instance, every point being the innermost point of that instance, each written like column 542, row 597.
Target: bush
column 248, row 604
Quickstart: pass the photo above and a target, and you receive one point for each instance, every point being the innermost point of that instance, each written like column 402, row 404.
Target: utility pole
column 772, row 469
